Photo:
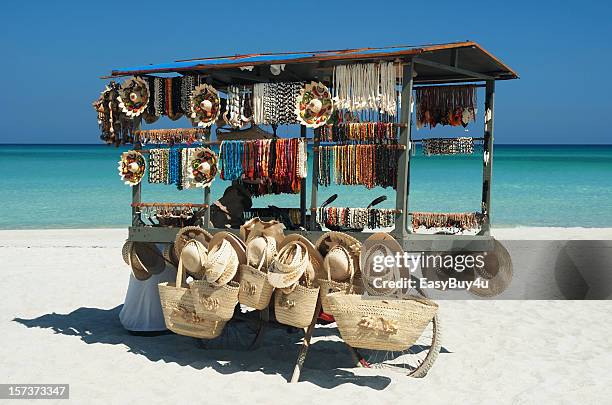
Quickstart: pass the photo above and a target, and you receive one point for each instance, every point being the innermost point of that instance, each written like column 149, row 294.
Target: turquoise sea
column 74, row 186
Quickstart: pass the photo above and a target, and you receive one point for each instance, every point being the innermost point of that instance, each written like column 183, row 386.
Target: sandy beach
column 59, row 324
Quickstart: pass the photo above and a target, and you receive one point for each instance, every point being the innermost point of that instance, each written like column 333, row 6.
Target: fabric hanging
column 355, row 218
column 462, row 221
column 265, row 166
column 448, row 146
column 366, row 86
column 445, row 105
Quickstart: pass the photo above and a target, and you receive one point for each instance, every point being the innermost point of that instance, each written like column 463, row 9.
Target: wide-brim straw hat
column 341, row 254
column 290, row 264
column 260, row 251
column 379, row 243
column 186, row 234
column 497, row 272
column 169, row 255
column 194, row 255
column 226, row 252
column 315, row 257
column 144, row 258
column 256, row 227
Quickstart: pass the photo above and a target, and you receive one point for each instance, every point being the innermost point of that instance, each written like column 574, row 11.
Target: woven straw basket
column 179, row 311
column 255, row 290
column 393, row 325
column 297, row 307
column 214, row 302
column 327, row 287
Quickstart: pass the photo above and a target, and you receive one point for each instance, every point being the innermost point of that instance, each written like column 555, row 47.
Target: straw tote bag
column 328, row 286
column 296, row 304
column 179, row 311
column 296, row 308
column 392, row 325
column 255, row 289
column 215, row 302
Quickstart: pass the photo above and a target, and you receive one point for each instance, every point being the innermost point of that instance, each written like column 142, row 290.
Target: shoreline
column 116, row 236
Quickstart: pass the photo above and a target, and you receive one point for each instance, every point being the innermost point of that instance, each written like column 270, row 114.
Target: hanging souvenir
column 238, row 111
column 133, row 96
column 366, row 86
column 205, row 105
column 116, row 128
column 131, row 167
column 448, row 146
column 462, row 221
column 445, row 105
column 314, row 105
column 274, row 103
column 203, row 167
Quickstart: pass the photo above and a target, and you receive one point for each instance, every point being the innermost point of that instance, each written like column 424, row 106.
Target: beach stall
column 355, row 113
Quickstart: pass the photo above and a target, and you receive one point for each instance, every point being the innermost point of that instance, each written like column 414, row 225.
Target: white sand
column 64, row 287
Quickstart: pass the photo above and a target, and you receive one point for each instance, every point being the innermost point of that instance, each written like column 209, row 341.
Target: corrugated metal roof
column 480, row 61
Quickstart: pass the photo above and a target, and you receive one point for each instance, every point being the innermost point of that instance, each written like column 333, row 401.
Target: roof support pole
column 315, row 181
column 303, row 188
column 403, row 170
column 136, row 189
column 487, row 161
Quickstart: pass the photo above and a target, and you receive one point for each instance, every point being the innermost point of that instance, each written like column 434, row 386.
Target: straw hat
column 256, row 227
column 341, row 253
column 497, row 272
column 144, row 258
column 260, row 251
column 226, row 253
column 186, row 234
column 194, row 256
column 291, row 263
column 379, row 244
column 316, row 260
column 169, row 254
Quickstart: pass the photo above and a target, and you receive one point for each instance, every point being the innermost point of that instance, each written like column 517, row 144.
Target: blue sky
column 54, row 53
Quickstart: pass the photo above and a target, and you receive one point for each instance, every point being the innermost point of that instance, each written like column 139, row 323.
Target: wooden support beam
column 303, row 187
column 453, row 69
column 403, row 170
column 487, row 161
column 315, row 182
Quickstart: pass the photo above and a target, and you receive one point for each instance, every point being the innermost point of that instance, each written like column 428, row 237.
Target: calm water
column 58, row 186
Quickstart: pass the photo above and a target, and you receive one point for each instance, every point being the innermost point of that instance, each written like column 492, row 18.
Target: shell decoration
column 132, row 167
column 314, row 105
column 133, row 97
column 205, row 105
column 203, row 167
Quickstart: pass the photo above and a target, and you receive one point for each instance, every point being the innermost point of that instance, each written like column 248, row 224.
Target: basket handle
column 180, row 274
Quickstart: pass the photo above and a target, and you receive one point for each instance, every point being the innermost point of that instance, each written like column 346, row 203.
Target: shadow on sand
column 276, row 355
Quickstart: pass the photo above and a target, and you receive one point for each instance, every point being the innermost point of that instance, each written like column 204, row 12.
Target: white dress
column 142, row 310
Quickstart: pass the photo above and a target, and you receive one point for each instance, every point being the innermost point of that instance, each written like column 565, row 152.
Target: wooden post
column 314, row 188
column 206, row 218
column 297, row 370
column 403, row 170
column 136, row 190
column 487, row 160
column 303, row 186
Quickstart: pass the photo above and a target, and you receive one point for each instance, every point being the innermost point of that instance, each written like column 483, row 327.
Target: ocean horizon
column 77, row 186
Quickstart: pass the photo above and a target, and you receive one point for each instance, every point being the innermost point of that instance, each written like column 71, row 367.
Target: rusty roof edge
column 334, row 55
